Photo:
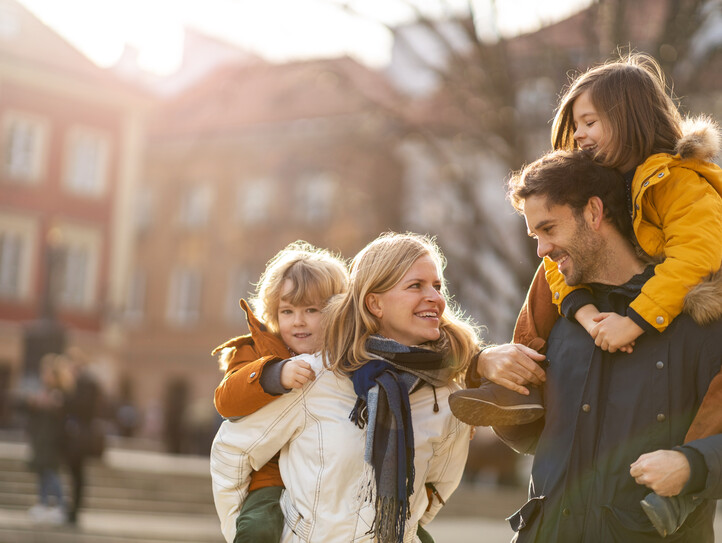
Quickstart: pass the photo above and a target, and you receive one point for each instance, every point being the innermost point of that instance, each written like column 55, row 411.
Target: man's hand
column 511, row 365
column 615, row 333
column 665, row 472
column 296, row 373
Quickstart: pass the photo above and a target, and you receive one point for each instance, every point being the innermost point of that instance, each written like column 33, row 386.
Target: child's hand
column 585, row 316
column 296, row 373
column 615, row 333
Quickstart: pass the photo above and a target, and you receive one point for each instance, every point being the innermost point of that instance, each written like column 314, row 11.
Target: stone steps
column 130, row 496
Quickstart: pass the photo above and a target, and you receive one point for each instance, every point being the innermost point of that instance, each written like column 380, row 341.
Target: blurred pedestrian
column 46, row 412
column 84, row 428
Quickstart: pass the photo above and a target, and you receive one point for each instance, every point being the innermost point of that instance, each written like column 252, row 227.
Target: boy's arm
column 240, row 392
column 538, row 314
column 567, row 299
column 689, row 211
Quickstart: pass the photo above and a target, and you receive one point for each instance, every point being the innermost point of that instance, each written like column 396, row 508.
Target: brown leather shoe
column 495, row 405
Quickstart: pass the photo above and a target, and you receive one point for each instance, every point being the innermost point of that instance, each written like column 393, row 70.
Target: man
column 615, row 422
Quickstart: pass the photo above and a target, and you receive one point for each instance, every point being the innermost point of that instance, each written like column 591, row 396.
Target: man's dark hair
column 572, row 178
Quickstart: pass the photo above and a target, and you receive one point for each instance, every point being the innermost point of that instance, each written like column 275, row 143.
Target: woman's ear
column 373, row 304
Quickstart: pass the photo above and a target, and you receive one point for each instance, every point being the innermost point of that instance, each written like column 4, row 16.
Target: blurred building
column 251, row 158
column 71, row 139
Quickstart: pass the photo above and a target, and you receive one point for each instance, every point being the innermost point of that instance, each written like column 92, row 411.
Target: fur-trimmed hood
column 700, row 138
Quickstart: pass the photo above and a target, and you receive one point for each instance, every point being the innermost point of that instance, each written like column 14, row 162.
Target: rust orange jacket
column 240, row 392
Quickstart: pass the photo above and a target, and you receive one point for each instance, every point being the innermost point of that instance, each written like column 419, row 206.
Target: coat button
column 566, row 512
column 586, row 408
column 660, row 364
column 253, row 375
column 556, row 295
column 636, row 206
column 645, row 183
column 661, row 417
column 661, row 175
column 660, row 320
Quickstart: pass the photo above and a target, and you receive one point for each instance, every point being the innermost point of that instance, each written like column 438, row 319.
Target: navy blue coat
column 603, row 411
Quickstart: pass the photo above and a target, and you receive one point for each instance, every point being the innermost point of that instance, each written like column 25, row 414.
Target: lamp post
column 46, row 334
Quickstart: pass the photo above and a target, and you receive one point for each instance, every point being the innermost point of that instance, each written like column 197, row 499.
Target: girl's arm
column 688, row 210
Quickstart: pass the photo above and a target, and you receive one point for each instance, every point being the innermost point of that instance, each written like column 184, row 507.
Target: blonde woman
column 369, row 449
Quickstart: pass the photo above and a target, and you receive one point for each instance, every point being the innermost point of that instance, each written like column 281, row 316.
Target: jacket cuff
column 698, row 471
column 271, row 378
column 575, row 300
column 637, row 318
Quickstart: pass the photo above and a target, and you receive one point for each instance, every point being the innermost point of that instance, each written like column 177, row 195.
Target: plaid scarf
column 383, row 386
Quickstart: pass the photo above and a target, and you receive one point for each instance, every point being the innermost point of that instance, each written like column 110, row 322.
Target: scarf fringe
column 390, row 521
column 359, row 413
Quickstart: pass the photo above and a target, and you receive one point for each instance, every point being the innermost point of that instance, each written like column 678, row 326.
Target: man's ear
column 594, row 212
column 373, row 304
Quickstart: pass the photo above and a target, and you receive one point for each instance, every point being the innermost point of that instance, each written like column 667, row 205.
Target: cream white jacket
column 322, row 460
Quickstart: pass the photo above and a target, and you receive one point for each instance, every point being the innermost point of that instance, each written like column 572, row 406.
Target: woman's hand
column 511, row 365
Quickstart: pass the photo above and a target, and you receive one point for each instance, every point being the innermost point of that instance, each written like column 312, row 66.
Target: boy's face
column 300, row 326
column 588, row 127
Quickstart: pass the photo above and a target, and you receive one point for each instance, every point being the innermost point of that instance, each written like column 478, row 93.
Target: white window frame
column 80, row 249
column 195, row 206
column 87, row 157
column 18, row 264
column 135, row 300
column 254, row 199
column 315, row 196
column 184, row 297
column 24, row 147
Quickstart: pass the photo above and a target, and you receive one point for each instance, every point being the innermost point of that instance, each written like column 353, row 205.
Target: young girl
column 620, row 111
column 392, row 352
column 258, row 367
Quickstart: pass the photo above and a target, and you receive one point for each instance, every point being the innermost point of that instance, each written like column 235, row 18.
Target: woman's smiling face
column 410, row 312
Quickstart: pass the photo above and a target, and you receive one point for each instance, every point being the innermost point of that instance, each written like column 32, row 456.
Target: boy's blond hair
column 377, row 269
column 638, row 115
column 315, row 274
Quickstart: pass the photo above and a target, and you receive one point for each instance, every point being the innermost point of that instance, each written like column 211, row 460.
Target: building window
column 79, row 261
column 143, row 209
column 24, row 144
column 254, row 200
column 184, row 297
column 195, row 206
column 87, row 162
column 314, row 194
column 239, row 286
column 135, row 298
column 17, row 262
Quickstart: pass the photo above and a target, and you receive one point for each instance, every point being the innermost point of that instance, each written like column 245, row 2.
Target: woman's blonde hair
column 315, row 274
column 377, row 269
column 637, row 114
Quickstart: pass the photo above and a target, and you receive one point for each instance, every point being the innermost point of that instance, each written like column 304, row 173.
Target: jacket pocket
column 294, row 519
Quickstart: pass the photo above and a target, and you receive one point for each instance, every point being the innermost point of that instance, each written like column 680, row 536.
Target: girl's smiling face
column 588, row 126
column 410, row 312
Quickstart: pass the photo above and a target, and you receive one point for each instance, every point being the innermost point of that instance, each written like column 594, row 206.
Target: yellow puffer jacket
column 677, row 218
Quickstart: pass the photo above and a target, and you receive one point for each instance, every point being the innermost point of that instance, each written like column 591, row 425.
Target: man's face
column 565, row 238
